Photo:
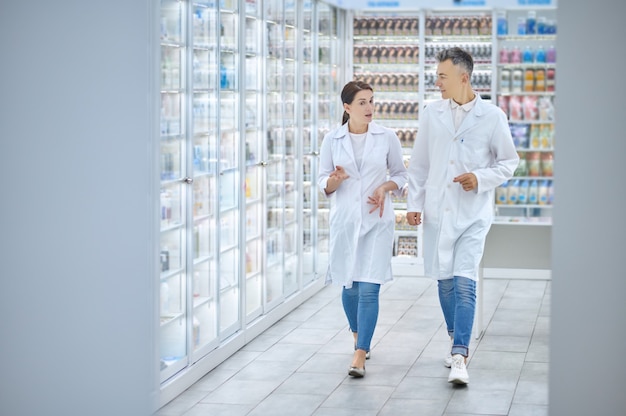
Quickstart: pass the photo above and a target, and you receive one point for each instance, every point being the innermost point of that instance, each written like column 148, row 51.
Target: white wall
column 588, row 327
column 76, row 301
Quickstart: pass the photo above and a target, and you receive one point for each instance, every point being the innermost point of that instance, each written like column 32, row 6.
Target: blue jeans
column 360, row 303
column 457, row 297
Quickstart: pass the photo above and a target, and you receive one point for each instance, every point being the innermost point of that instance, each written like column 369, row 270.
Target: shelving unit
column 525, row 89
column 387, row 57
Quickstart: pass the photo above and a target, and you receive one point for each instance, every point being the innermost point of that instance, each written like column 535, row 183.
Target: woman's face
column 361, row 109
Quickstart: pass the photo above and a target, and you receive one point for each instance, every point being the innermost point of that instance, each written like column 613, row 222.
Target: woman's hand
column 378, row 200
column 335, row 178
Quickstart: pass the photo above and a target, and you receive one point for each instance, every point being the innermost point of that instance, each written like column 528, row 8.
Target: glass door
column 254, row 156
column 292, row 130
column 173, row 242
column 203, row 88
column 329, row 111
column 309, row 149
column 276, row 73
column 228, row 168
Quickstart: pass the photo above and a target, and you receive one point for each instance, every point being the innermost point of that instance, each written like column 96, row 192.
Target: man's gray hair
column 459, row 57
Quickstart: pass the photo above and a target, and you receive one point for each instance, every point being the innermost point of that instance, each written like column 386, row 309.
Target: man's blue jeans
column 360, row 303
column 457, row 297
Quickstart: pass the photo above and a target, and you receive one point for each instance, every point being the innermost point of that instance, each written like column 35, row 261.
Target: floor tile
column 299, row 366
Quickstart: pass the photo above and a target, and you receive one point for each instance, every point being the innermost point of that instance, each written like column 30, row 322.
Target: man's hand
column 414, row 218
column 467, row 180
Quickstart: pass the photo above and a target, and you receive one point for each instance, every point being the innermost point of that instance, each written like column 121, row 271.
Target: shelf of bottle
column 199, row 301
column 479, row 65
column 523, row 206
column 166, row 319
column 534, row 221
column 393, row 40
column 533, row 178
column 389, row 66
column 459, row 38
column 523, row 121
column 518, row 38
column 535, row 93
column 523, row 65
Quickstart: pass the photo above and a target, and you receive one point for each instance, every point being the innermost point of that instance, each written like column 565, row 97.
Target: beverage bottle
column 540, row 55
column 502, row 194
column 529, row 80
column 505, row 80
column 533, row 192
column 522, row 197
column 540, row 79
column 521, row 25
column 543, row 195
column 503, row 24
column 528, row 57
column 513, row 192
column 531, row 23
column 551, row 55
column 504, row 55
column 516, row 55
column 516, row 80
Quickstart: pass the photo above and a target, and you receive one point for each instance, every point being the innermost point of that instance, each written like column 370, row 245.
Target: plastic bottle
column 522, row 197
column 531, row 23
column 528, row 56
column 543, row 194
column 505, row 80
column 503, row 24
column 513, row 192
column 521, row 25
column 504, row 55
column 540, row 55
column 516, row 55
column 551, row 54
column 501, row 194
column 533, row 192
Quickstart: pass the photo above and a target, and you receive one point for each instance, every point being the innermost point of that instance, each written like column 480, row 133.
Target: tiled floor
column 299, row 366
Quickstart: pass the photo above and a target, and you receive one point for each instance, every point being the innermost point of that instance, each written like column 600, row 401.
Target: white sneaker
column 458, row 371
column 448, row 360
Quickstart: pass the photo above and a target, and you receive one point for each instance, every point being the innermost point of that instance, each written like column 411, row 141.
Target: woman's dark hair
column 349, row 92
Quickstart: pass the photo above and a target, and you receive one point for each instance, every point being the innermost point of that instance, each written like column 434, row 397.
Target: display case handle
column 262, row 163
column 187, row 180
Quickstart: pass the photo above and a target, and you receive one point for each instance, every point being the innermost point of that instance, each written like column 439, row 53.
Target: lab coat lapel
column 472, row 118
column 344, row 138
column 445, row 116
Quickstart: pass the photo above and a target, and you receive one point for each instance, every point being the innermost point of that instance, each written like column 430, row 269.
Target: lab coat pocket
column 472, row 152
column 432, row 204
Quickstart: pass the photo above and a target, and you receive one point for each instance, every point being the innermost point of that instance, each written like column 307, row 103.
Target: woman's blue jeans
column 457, row 297
column 360, row 303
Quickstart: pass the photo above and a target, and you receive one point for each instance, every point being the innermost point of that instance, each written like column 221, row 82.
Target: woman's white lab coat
column 456, row 222
column 361, row 243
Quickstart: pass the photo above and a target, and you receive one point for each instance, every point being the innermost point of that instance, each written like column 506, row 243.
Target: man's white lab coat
column 456, row 222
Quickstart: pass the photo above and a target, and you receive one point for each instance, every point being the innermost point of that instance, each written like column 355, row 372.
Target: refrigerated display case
column 238, row 229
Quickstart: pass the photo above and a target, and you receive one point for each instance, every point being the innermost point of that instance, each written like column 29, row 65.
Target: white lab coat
column 361, row 243
column 456, row 222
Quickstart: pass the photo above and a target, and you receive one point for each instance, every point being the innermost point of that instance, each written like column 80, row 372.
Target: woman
column 360, row 163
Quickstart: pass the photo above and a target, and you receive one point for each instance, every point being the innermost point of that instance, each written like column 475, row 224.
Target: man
column 463, row 151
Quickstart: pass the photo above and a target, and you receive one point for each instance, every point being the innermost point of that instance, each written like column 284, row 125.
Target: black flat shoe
column 356, row 372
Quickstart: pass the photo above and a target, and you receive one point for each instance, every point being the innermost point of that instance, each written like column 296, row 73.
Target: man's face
column 450, row 80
